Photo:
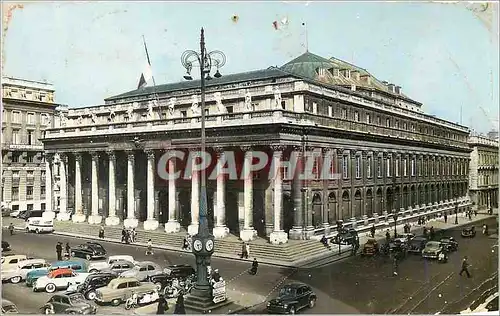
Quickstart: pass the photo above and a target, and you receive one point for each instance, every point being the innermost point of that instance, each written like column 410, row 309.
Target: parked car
column 432, row 250
column 370, row 248
column 469, row 232
column 345, row 237
column 417, row 244
column 142, row 270
column 22, row 270
column 121, row 289
column 405, row 237
column 180, row 271
column 93, row 282
column 6, row 212
column 68, row 303
column 292, row 298
column 31, row 213
column 118, row 267
column 98, row 266
column 8, row 307
column 10, row 262
column 449, row 243
column 58, row 279
column 89, row 250
column 77, row 266
column 5, row 246
column 39, row 225
column 15, row 214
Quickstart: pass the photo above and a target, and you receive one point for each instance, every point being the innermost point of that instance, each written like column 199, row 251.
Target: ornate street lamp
column 203, row 242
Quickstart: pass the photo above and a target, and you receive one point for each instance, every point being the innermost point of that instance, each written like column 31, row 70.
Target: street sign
column 219, row 291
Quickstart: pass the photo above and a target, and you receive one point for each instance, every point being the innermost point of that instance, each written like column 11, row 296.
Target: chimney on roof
column 385, row 83
column 398, row 89
column 355, row 75
column 391, row 87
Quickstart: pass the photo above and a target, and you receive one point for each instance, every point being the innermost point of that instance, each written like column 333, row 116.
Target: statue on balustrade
column 93, row 117
column 171, row 108
column 130, row 112
column 248, row 101
column 218, row 101
column 151, row 113
column 277, row 98
column 80, row 120
column 195, row 108
column 62, row 119
column 111, row 116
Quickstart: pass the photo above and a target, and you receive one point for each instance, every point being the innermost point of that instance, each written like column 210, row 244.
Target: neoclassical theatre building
column 389, row 154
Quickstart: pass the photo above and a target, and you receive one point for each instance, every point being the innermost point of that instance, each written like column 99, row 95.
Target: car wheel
column 312, row 302
column 47, row 311
column 73, row 254
column 158, row 285
column 27, row 230
column 37, row 231
column 15, row 279
column 116, row 302
column 50, row 288
column 91, row 295
column 291, row 310
column 88, row 257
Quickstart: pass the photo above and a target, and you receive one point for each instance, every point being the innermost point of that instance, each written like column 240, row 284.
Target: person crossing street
column 59, row 250
column 465, row 267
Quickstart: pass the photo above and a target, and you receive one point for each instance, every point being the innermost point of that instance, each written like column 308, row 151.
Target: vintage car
column 120, row 289
column 23, row 268
column 449, row 243
column 180, row 272
column 417, row 244
column 5, row 246
column 76, row 266
column 405, row 237
column 99, row 266
column 68, row 303
column 89, row 250
column 10, row 262
column 118, row 267
column 432, row 250
column 8, row 307
column 94, row 282
column 469, row 232
column 142, row 270
column 399, row 246
column 58, row 279
column 370, row 248
column 292, row 298
column 345, row 237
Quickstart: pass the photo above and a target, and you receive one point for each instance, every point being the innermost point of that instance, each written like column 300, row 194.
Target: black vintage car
column 93, row 282
column 89, row 250
column 469, row 232
column 292, row 298
column 398, row 247
column 180, row 272
column 417, row 244
column 345, row 237
column 68, row 303
column 5, row 246
column 449, row 243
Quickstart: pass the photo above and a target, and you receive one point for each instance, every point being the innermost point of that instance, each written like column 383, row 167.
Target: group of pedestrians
column 59, row 251
column 129, row 236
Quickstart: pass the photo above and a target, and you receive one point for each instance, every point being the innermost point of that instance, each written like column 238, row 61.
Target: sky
column 442, row 55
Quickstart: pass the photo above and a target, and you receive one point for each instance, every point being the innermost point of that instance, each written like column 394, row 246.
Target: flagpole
column 152, row 75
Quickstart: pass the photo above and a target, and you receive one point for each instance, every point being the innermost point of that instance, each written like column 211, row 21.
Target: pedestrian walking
column 485, row 229
column 324, row 241
column 425, row 232
column 179, row 305
column 185, row 243
column 244, row 253
column 133, row 235
column 67, row 252
column 101, row 232
column 59, row 250
column 387, row 236
column 432, row 233
column 11, row 229
column 124, row 235
column 465, row 267
column 475, row 212
column 162, row 305
column 372, row 231
column 255, row 266
column 149, row 250
column 445, row 218
column 490, row 211
column 247, row 245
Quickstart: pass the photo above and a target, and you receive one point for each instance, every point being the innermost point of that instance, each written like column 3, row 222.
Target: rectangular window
column 29, row 191
column 42, row 174
column 15, row 193
column 412, row 167
column 397, row 167
column 432, row 167
column 368, row 118
column 15, row 136
column 42, row 189
column 419, row 167
column 31, row 139
column 388, row 167
column 15, row 174
column 345, row 167
column 315, row 169
column 344, row 113
column 356, row 116
column 30, row 174
column 405, row 126
column 379, row 167
column 438, row 163
column 31, row 118
column 405, row 167
column 30, row 158
column 388, row 122
column 15, row 157
column 16, row 117
column 369, row 167
column 333, row 169
column 379, row 120
column 229, row 109
column 397, row 124
column 358, row 167
column 183, row 114
column 44, row 119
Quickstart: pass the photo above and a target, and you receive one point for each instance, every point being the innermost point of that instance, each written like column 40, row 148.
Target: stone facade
column 390, row 155
column 28, row 109
column 483, row 172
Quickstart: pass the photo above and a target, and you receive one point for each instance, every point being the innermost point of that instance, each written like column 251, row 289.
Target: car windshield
column 77, row 298
column 287, row 291
column 98, row 247
column 10, row 309
column 432, row 244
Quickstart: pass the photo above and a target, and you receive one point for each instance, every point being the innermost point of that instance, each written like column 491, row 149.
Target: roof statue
column 93, row 117
column 130, row 111
column 248, row 100
column 111, row 116
column 171, row 107
column 194, row 105
column 62, row 119
column 151, row 113
column 277, row 97
column 218, row 101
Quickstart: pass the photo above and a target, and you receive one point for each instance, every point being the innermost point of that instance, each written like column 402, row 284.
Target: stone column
column 195, row 198
column 151, row 223
column 95, row 218
column 220, row 230
column 49, row 188
column 112, row 219
column 130, row 221
column 78, row 217
column 278, row 236
column 248, row 233
column 298, row 220
column 63, row 209
column 172, row 226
